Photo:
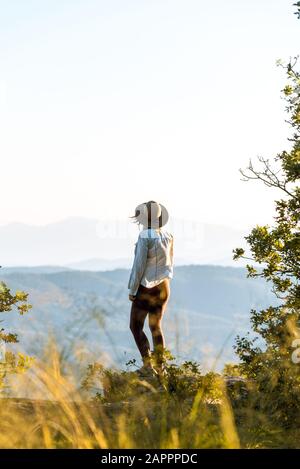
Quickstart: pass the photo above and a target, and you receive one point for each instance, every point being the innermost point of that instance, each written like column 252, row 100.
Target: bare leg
column 137, row 321
column 155, row 320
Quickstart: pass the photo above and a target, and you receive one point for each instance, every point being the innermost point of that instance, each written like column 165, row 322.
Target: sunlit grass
column 116, row 409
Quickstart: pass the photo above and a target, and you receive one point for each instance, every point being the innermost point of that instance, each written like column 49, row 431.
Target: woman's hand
column 131, row 297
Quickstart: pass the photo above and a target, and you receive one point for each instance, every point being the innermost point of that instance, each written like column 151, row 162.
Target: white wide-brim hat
column 151, row 214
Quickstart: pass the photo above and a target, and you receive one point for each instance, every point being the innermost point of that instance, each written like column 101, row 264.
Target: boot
column 147, row 370
column 159, row 362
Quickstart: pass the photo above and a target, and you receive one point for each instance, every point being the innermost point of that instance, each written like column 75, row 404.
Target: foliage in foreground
column 117, row 409
column 11, row 363
column 202, row 410
column 192, row 410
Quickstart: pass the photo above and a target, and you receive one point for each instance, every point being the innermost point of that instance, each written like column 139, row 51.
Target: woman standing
column 149, row 288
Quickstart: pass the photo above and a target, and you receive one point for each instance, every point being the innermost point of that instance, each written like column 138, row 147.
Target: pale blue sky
column 105, row 104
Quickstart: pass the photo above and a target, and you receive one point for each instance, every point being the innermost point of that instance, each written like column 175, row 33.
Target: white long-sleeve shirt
column 153, row 259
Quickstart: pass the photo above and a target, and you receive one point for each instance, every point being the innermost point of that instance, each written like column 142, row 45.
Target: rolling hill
column 88, row 312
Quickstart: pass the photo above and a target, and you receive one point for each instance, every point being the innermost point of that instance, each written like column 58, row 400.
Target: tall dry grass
column 124, row 412
column 48, row 406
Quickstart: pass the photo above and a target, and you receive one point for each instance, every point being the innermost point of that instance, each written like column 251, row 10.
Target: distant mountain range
column 89, row 244
column 88, row 312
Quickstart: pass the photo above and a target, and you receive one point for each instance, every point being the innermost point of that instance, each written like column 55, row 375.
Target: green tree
column 267, row 357
column 9, row 361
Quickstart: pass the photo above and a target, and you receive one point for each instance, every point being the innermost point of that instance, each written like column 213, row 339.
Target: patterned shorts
column 153, row 299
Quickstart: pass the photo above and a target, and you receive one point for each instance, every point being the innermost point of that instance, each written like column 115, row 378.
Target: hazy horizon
column 77, row 239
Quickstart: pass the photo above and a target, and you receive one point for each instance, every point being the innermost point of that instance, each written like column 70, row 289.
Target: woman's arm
column 139, row 265
column 172, row 251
